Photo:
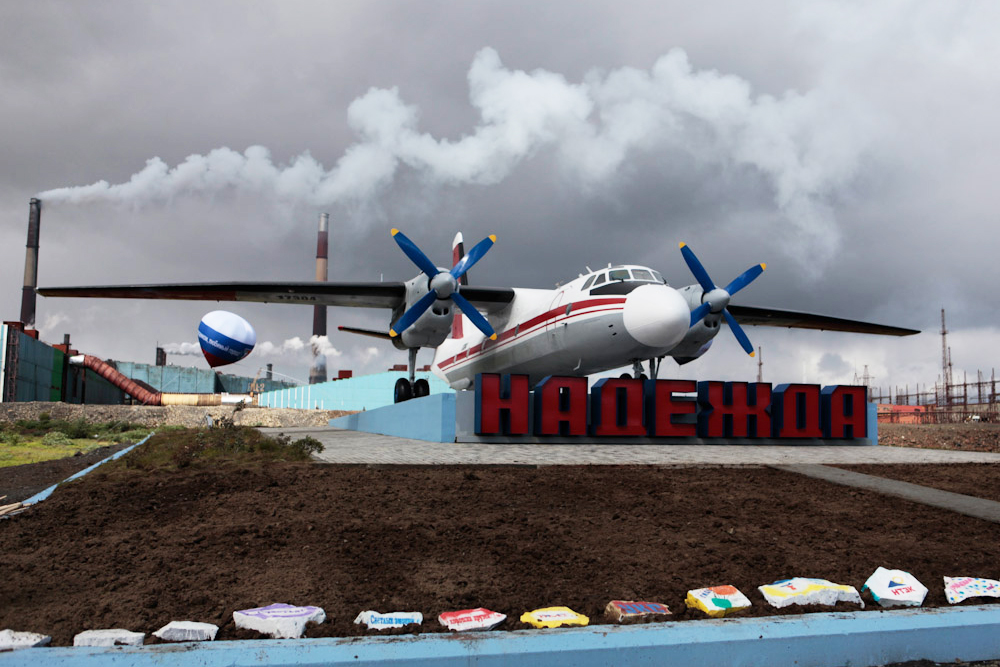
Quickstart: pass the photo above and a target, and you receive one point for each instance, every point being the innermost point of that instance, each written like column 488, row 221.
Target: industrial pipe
column 317, row 373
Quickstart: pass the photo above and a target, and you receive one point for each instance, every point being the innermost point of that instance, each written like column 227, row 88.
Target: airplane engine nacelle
column 434, row 325
column 698, row 338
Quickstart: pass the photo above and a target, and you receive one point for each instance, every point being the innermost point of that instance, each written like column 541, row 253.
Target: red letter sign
column 845, row 412
column 616, row 407
column 795, row 411
column 662, row 406
column 502, row 411
column 731, row 410
column 561, row 406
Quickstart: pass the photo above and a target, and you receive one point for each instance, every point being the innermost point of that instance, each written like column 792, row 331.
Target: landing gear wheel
column 403, row 391
column 625, row 376
column 421, row 388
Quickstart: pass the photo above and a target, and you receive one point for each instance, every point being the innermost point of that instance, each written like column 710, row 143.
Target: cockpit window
column 587, row 284
column 600, row 279
column 658, row 278
column 641, row 274
column 618, row 274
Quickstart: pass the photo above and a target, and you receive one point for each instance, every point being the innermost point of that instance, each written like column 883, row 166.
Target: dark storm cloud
column 881, row 116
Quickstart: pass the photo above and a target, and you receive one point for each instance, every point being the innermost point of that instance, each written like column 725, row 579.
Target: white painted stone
column 12, row 639
column 109, row 637
column 187, row 631
column 397, row 619
column 279, row 620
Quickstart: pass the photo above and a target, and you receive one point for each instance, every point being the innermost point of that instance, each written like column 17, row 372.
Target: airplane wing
column 770, row 317
column 358, row 295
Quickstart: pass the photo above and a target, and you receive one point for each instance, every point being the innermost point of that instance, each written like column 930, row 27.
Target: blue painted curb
column 429, row 418
column 42, row 495
column 810, row 640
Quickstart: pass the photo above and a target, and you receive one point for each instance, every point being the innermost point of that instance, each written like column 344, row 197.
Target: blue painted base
column 428, row 418
column 817, row 640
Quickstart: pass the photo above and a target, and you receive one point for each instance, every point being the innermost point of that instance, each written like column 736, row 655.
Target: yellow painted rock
column 717, row 601
column 553, row 617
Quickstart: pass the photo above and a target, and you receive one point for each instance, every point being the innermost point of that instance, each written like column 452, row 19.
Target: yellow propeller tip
column 763, row 266
column 682, row 244
column 493, row 237
column 392, row 333
column 394, row 231
column 493, row 337
column 753, row 354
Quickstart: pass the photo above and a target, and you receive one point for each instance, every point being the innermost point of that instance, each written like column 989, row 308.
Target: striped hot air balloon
column 225, row 337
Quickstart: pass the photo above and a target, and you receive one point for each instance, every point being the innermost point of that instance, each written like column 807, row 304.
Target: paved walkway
column 979, row 508
column 354, row 447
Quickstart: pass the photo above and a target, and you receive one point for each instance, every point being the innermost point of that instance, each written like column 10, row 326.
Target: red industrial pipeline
column 108, row 372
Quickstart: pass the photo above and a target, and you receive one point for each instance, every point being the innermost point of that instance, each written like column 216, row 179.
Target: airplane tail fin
column 457, row 253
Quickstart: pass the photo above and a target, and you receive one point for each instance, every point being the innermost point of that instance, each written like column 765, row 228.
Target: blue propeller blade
column 700, row 274
column 738, row 332
column 413, row 314
column 747, row 277
column 474, row 315
column 698, row 313
column 414, row 253
column 474, row 256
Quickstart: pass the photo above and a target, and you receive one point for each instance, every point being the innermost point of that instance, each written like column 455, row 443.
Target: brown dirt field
column 125, row 548
column 969, row 437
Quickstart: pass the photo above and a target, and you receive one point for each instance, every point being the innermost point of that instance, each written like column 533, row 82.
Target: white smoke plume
column 182, row 349
column 806, row 145
column 290, row 347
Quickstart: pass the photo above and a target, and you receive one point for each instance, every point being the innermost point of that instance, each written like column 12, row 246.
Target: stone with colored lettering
column 895, row 588
column 802, row 590
column 553, row 617
column 279, row 620
column 14, row 639
column 397, row 619
column 187, row 631
column 109, row 637
column 631, row 611
column 717, row 601
column 957, row 589
column 471, row 619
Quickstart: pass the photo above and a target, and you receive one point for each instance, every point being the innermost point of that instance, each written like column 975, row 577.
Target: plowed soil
column 132, row 549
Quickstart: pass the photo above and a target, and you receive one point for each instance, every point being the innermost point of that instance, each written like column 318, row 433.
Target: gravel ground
column 175, row 415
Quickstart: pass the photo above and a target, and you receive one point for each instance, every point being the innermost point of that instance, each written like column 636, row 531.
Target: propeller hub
column 717, row 299
column 444, row 285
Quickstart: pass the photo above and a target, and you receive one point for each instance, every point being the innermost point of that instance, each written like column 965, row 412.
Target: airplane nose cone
column 656, row 315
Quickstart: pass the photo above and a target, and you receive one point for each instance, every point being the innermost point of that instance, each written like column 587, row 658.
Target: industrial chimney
column 317, row 373
column 31, row 264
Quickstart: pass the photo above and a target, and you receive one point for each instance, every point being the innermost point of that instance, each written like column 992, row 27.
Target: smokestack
column 318, row 371
column 31, row 263
column 270, row 372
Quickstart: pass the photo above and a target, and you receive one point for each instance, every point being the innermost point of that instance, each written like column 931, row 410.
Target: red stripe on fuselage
column 530, row 326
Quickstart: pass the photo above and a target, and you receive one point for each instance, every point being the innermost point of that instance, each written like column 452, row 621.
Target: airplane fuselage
column 618, row 315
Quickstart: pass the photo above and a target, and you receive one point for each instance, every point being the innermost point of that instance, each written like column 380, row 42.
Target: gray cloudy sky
column 850, row 146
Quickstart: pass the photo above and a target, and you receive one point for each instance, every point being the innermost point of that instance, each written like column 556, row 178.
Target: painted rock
column 553, row 617
column 471, row 619
column 801, row 590
column 282, row 621
column 717, row 601
column 892, row 588
column 957, row 589
column 398, row 619
column 624, row 611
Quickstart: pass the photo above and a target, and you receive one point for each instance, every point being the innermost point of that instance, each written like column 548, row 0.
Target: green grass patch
column 34, row 450
column 199, row 446
column 47, row 439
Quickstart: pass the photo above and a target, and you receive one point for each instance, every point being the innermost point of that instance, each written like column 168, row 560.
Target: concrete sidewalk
column 353, row 447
